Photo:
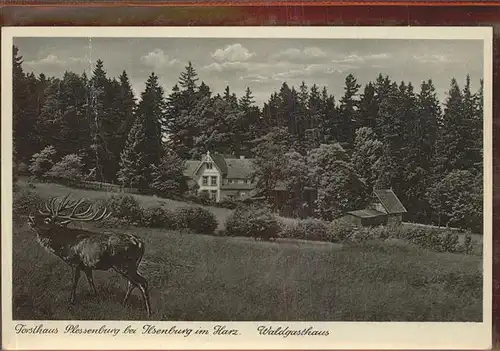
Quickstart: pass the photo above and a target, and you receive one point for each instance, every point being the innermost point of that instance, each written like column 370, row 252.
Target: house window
column 205, row 180
column 214, row 180
column 210, row 165
column 213, row 194
column 230, row 181
column 240, row 181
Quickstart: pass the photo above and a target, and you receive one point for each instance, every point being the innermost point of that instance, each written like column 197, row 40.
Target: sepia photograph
column 224, row 177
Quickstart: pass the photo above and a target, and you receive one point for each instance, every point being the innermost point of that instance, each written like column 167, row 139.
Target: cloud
column 52, row 60
column 228, row 67
column 314, row 71
column 355, row 58
column 158, row 59
column 232, row 53
column 255, row 77
column 297, row 55
column 435, row 58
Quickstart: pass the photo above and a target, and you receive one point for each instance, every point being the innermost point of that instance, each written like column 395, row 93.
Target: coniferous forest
column 384, row 134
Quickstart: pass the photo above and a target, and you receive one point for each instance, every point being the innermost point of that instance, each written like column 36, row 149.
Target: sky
column 261, row 64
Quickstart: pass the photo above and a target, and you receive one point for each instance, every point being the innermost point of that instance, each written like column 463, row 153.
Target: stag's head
column 56, row 213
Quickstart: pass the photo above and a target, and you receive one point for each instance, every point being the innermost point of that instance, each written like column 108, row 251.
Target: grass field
column 199, row 277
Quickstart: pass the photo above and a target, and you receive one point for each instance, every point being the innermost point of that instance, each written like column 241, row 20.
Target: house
column 223, row 178
column 384, row 208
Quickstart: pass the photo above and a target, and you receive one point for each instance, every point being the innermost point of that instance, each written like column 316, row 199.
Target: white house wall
column 214, row 172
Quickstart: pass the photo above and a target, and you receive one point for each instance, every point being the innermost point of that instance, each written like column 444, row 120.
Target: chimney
column 242, row 157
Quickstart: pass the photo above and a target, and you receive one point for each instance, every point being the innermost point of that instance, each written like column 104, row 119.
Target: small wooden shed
column 386, row 201
column 384, row 208
column 366, row 217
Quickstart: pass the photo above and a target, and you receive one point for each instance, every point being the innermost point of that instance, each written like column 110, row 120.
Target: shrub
column 290, row 231
column 361, row 234
column 250, row 221
column 42, row 162
column 68, row 168
column 468, row 245
column 152, row 217
column 434, row 239
column 204, row 197
column 26, row 201
column 342, row 229
column 158, row 217
column 309, row 229
column 197, row 219
column 449, row 242
column 227, row 203
column 113, row 222
column 124, row 207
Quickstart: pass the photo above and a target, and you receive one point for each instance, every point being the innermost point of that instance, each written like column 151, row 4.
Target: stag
column 87, row 251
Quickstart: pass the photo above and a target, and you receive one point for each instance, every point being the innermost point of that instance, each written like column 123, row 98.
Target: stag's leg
column 90, row 280
column 137, row 280
column 143, row 285
column 76, row 278
column 130, row 287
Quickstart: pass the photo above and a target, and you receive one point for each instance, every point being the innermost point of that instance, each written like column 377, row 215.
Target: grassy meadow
column 195, row 277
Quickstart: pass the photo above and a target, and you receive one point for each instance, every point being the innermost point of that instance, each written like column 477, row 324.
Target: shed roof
column 390, row 201
column 366, row 213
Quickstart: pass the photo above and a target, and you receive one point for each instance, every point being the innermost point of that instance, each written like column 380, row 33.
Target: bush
column 26, row 201
column 468, row 245
column 254, row 222
column 434, row 239
column 197, row 219
column 113, row 222
column 42, row 162
column 309, row 229
column 124, row 207
column 68, row 168
column 227, row 203
column 342, row 230
column 204, row 197
column 158, row 217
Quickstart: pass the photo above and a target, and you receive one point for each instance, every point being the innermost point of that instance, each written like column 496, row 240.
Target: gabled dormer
column 210, row 162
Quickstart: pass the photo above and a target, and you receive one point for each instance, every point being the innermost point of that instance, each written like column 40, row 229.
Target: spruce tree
column 368, row 107
column 348, row 111
column 24, row 110
column 125, row 106
column 143, row 148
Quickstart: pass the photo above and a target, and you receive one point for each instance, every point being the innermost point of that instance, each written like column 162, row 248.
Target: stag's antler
column 66, row 204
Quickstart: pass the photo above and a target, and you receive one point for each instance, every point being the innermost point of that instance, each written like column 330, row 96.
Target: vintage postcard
column 246, row 187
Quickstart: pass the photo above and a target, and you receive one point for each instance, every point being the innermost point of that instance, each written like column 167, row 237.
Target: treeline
column 384, row 134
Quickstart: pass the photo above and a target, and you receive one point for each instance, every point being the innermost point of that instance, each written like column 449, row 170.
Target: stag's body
column 87, row 251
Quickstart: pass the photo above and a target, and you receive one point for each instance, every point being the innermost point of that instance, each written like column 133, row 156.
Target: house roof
column 239, row 168
column 233, row 168
column 191, row 166
column 366, row 213
column 220, row 162
column 390, row 201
